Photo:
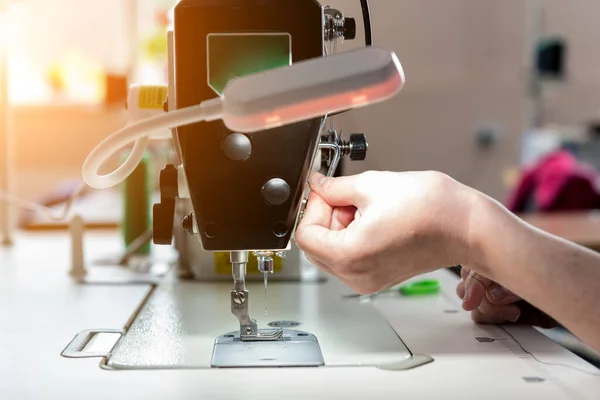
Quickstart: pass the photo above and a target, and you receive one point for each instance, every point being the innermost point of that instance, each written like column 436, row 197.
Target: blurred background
column 478, row 104
column 472, row 100
column 69, row 65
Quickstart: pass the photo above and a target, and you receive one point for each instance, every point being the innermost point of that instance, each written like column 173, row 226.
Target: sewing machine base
column 178, row 325
column 295, row 349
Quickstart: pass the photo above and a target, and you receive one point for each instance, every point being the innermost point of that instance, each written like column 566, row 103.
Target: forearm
column 557, row 276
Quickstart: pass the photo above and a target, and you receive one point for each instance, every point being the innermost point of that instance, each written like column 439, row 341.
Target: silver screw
column 239, row 298
column 248, row 331
column 281, row 254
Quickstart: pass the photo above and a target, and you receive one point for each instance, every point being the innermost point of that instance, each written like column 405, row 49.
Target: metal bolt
column 281, row 254
column 239, row 298
column 248, row 331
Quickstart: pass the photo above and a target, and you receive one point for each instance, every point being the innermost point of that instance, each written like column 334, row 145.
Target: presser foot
column 249, row 331
column 263, row 335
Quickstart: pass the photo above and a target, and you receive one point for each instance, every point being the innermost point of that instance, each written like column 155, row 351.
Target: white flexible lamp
column 269, row 99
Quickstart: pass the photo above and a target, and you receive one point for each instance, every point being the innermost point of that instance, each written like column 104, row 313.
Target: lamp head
column 311, row 89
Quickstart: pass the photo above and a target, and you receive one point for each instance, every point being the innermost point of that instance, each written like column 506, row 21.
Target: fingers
column 475, row 289
column 529, row 315
column 480, row 318
column 460, row 289
column 339, row 192
column 464, row 272
column 491, row 303
column 342, row 217
column 331, row 208
column 317, row 212
column 322, row 243
column 499, row 295
column 510, row 312
column 314, row 235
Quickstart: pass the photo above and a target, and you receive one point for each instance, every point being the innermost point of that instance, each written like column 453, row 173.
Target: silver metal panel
column 294, row 349
column 178, row 326
column 92, row 343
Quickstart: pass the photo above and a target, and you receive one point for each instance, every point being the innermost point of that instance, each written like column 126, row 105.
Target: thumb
column 337, row 192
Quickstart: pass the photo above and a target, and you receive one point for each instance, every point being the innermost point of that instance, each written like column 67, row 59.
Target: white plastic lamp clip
column 266, row 100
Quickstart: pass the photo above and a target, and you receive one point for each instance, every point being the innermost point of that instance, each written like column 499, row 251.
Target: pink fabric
column 557, row 183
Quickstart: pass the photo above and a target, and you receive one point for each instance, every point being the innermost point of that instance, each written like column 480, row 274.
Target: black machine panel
column 245, row 197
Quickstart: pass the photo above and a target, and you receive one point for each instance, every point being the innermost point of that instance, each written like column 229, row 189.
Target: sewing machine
column 236, row 196
column 247, row 192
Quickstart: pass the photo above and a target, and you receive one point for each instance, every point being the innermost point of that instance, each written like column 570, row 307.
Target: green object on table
column 421, row 288
column 136, row 205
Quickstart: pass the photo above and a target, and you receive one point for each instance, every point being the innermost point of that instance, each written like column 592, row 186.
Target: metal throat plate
column 294, row 349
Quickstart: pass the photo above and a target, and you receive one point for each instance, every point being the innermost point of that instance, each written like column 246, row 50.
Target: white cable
column 43, row 210
column 139, row 132
column 255, row 103
column 263, row 101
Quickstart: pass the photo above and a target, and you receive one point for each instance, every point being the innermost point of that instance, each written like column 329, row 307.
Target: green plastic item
column 421, row 288
column 137, row 217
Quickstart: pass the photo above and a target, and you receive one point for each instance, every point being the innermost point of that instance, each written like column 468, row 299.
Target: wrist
column 488, row 221
column 460, row 226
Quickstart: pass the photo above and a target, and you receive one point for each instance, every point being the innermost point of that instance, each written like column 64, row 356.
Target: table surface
column 580, row 227
column 42, row 309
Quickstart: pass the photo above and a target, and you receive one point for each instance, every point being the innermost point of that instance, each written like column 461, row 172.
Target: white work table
column 42, row 309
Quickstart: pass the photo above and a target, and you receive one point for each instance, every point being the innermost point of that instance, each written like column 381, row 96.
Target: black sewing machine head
column 246, row 190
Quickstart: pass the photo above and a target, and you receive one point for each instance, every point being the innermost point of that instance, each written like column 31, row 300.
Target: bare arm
column 377, row 229
column 557, row 276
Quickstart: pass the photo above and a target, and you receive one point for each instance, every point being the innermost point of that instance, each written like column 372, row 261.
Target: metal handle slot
column 93, row 343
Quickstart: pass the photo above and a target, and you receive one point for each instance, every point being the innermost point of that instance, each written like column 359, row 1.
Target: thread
column 61, row 216
column 43, row 210
column 527, row 351
column 523, row 349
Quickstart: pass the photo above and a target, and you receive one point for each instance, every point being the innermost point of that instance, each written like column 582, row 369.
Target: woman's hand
column 377, row 229
column 490, row 303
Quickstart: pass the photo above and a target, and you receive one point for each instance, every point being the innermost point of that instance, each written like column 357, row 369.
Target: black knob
column 169, row 183
column 358, row 147
column 162, row 223
column 349, row 28
column 164, row 212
